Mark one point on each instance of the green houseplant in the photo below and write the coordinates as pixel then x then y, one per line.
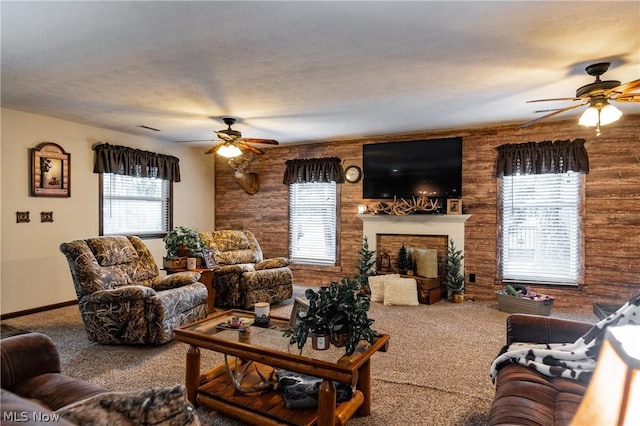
pixel 366 266
pixel 453 279
pixel 182 242
pixel 337 309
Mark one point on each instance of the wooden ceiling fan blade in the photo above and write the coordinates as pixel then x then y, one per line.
pixel 263 141
pixel 560 111
pixel 213 149
pixel 632 97
pixel 554 99
pixel 225 136
pixel 249 148
pixel 623 89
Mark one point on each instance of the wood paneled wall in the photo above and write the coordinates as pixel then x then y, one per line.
pixel 612 207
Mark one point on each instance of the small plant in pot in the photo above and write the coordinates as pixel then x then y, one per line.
pixel 454 279
pixel 183 242
pixel 338 310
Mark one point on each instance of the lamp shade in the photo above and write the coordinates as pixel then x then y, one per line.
pixel 229 150
pixel 609 114
pixel 589 117
pixel 613 395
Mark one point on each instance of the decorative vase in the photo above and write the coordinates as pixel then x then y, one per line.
pixel 320 342
pixel 458 298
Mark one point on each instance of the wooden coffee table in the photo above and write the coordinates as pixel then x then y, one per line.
pixel 268 347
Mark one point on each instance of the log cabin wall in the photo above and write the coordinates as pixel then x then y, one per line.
pixel 612 206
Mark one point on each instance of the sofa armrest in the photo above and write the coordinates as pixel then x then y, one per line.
pixel 25 356
pixel 234 269
pixel 179 279
pixel 276 262
pixel 120 294
pixel 543 329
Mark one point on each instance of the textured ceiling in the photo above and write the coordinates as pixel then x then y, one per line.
pixel 307 71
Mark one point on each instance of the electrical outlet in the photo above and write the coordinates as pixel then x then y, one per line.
pixel 472 278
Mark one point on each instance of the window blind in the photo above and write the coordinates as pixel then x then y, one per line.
pixel 312 222
pixel 134 205
pixel 541 237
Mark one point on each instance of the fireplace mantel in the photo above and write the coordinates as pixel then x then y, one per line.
pixel 451 225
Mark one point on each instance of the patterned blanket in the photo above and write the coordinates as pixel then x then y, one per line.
pixel 575 360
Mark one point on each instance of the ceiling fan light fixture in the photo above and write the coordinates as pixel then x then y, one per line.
pixel 600 112
pixel 229 150
pixel 609 114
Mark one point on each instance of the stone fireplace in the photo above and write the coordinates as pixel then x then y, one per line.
pixel 387 227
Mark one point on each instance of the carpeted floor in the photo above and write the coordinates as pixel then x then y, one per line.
pixel 436 371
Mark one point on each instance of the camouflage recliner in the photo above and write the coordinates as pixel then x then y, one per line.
pixel 243 277
pixel 122 297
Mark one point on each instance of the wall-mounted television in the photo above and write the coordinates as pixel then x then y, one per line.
pixel 428 168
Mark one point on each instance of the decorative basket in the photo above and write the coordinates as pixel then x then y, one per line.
pixel 514 304
pixel 341 340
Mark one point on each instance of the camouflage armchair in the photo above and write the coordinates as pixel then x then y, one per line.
pixel 122 297
pixel 243 277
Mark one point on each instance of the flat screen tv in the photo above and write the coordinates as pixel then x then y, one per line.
pixel 428 168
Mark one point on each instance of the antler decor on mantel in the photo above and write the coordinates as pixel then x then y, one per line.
pixel 403 207
pixel 250 182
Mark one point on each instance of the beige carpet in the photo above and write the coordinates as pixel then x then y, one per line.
pixel 436 371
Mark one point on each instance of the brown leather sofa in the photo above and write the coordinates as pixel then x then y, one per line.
pixel 525 397
pixel 32 384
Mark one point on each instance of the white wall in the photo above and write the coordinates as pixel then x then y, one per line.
pixel 33 271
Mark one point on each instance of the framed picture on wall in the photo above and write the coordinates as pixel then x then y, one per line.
pixel 454 206
pixel 50 171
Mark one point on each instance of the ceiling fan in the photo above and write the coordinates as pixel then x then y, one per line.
pixel 598 96
pixel 233 143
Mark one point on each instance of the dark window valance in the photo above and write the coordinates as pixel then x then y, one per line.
pixel 127 161
pixel 542 157
pixel 304 170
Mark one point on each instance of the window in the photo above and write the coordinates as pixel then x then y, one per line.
pixel 541 234
pixel 312 222
pixel 134 205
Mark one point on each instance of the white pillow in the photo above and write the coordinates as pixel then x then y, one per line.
pixel 426 262
pixel 376 284
pixel 401 292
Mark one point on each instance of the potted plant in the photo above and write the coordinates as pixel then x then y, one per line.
pixel 182 242
pixel 338 310
pixel 366 266
pixel 403 262
pixel 454 279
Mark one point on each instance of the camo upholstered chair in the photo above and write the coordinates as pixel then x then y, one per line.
pixel 243 277
pixel 122 297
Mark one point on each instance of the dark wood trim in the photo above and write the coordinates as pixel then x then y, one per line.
pixel 37 310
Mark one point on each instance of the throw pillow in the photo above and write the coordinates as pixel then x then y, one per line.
pixel 401 292
pixel 426 262
pixel 166 405
pixel 376 283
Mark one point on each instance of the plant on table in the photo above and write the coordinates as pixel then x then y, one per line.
pixel 335 310
pixel 182 241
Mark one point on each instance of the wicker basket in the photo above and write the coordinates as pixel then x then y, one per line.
pixel 341 340
pixel 514 304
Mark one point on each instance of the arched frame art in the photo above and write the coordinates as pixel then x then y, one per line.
pixel 50 171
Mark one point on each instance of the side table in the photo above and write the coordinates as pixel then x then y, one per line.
pixel 206 277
